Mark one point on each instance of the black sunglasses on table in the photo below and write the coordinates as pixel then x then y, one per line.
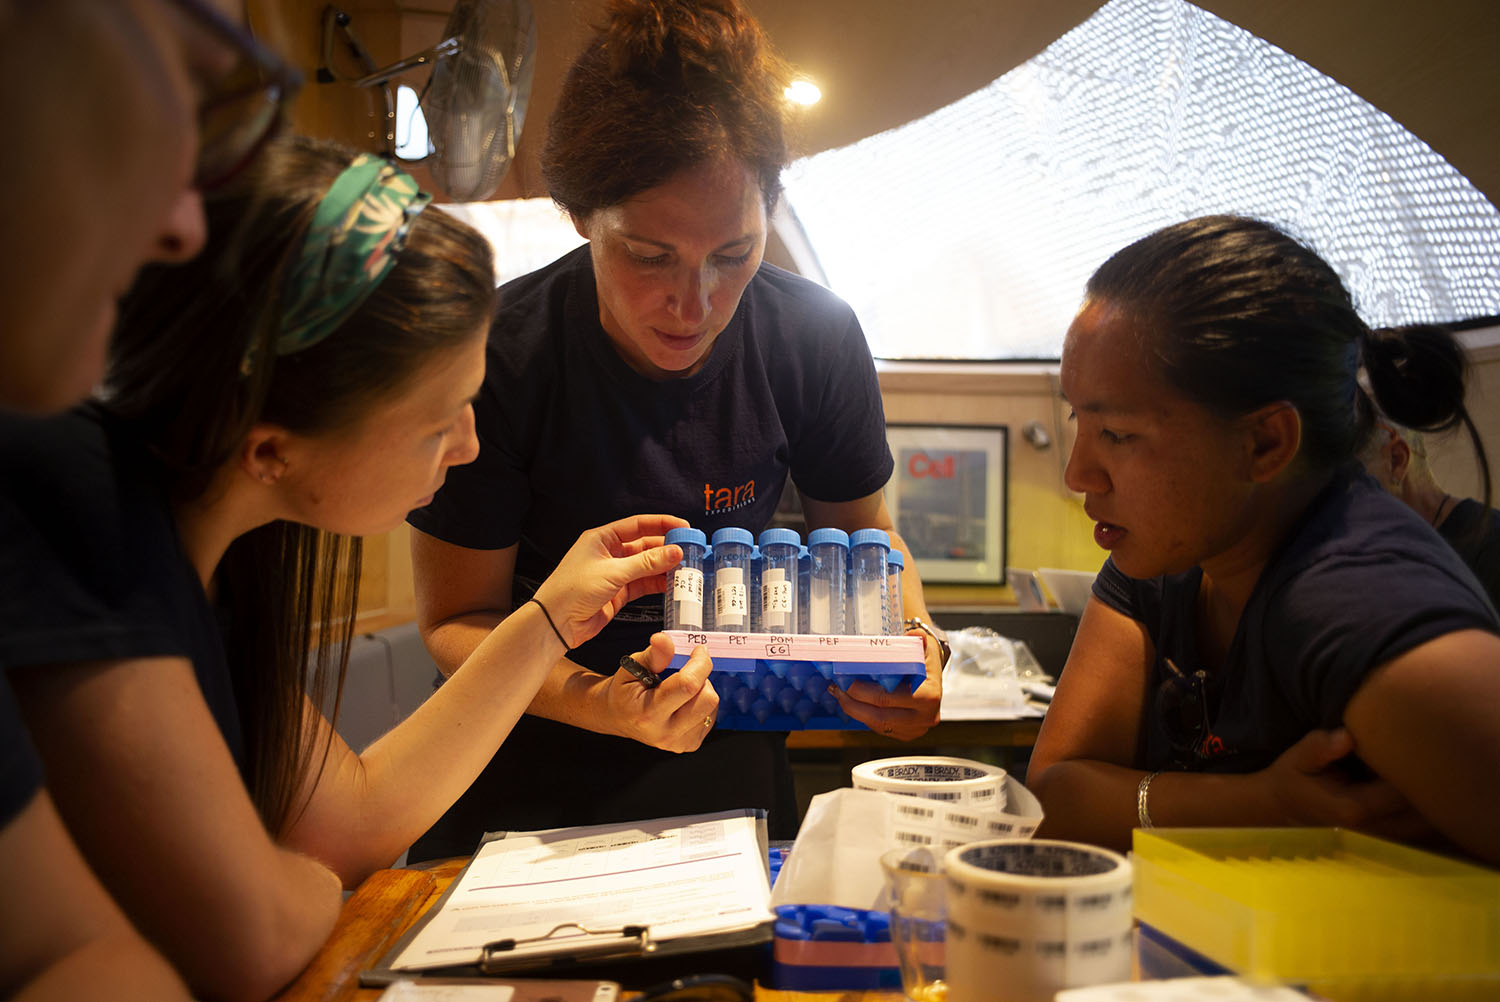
pixel 1182 707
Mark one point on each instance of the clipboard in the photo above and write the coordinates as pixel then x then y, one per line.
pixel 631 954
pixel 425 989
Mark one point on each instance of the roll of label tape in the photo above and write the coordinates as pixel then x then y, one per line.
pixel 954 781
pixel 917 823
pixel 1037 916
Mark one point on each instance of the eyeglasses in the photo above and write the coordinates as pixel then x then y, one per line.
pixel 699 988
pixel 1182 707
pixel 248 105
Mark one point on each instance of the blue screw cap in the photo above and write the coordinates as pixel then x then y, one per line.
pixel 733 534
pixel 819 536
pixel 788 536
pixel 687 535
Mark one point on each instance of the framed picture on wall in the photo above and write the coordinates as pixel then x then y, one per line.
pixel 947 498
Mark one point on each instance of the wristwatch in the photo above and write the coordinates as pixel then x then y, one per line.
pixel 944 651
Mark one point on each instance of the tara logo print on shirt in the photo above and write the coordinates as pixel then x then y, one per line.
pixel 718 500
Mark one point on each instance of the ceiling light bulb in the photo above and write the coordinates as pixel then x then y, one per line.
pixel 803 92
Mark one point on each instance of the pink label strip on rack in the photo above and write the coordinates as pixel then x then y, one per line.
pixel 800 646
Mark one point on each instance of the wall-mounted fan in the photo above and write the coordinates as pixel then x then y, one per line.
pixel 475 98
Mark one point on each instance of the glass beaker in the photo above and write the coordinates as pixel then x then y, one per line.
pixel 914 887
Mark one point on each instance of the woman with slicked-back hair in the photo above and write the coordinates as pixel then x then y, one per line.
pixel 663 365
pixel 1274 639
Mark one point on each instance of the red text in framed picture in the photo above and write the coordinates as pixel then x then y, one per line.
pixel 947 498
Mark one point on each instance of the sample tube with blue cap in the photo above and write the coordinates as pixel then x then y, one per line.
pixel 708 589
pixel 754 591
pixel 779 551
pixel 732 579
pixel 895 563
pixel 682 606
pixel 829 549
pixel 868 549
pixel 804 575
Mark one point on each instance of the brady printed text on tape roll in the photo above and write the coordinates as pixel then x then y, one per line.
pixel 1036 916
pixel 956 781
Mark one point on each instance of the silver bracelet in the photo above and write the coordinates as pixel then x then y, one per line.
pixel 1142 812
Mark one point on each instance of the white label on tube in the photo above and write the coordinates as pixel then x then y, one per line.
pixel 870 608
pixel 687 592
pixel 775 600
pixel 730 603
pixel 820 607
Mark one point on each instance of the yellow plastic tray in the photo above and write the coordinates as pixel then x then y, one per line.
pixel 1309 904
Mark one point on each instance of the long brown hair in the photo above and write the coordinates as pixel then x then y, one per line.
pixel 192 369
pixel 663 86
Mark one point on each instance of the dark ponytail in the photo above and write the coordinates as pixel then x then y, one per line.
pixel 1417 375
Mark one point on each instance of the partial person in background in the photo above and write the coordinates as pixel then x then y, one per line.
pixel 103 103
pixel 1397 457
pixel 662 366
pixel 1274 640
pixel 306 381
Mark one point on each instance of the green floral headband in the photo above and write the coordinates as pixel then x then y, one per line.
pixel 359 228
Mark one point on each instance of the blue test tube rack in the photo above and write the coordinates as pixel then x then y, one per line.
pixel 771 682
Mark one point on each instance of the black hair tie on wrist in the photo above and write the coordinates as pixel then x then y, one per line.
pixel 548 616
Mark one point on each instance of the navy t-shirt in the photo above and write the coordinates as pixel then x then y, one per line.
pixel 20 770
pixel 1477 541
pixel 21 564
pixel 1361 580
pixel 98 572
pixel 571 437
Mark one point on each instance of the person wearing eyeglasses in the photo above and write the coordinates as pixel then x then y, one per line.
pixel 305 382
pixel 119 115
pixel 662 365
pixel 1273 640
pixel 108 107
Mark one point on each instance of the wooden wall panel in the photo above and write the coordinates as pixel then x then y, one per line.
pixel 1046 526
pixel 882 62
pixel 1416 75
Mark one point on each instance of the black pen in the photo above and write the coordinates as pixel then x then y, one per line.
pixel 644 675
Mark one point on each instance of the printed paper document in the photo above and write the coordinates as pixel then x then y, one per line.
pixel 680 877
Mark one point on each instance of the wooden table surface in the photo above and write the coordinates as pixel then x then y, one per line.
pixel 384 906
pixel 979 733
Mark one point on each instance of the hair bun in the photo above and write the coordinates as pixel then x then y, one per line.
pixel 636 35
pixel 683 45
pixel 664 85
pixel 1417 375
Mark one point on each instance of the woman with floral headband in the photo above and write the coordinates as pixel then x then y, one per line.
pixel 306 382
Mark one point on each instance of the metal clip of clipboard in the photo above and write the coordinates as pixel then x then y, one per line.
pixel 500 957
